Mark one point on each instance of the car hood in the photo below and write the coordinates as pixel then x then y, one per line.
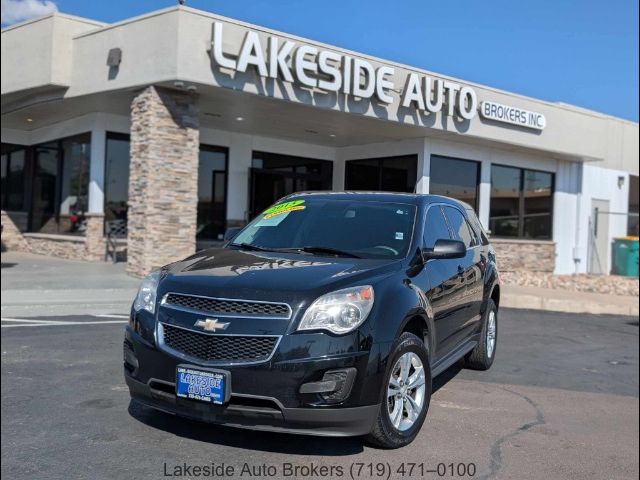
pixel 271 276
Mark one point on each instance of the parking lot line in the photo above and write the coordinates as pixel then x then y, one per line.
pixel 25 322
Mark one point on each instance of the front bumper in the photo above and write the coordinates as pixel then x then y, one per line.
pixel 264 396
pixel 325 422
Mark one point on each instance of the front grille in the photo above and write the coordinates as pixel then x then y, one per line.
pixel 218 348
pixel 220 306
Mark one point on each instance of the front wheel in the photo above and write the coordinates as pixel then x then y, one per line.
pixel 406 393
pixel 481 357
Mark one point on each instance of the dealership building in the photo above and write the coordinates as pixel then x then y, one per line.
pixel 166 129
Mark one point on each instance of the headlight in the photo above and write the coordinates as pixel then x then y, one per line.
pixel 340 311
pixel 146 297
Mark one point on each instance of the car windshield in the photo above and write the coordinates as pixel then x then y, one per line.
pixel 321 226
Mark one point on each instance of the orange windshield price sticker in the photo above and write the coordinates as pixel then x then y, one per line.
pixel 281 208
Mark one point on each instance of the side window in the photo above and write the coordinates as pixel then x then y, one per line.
pixel 435 227
pixel 476 226
pixel 459 226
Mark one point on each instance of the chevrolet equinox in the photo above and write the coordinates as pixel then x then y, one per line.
pixel 328 314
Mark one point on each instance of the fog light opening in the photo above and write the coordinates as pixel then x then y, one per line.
pixel 130 359
pixel 334 387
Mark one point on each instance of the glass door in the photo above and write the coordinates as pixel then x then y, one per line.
pixel 273 176
pixel 45 180
pixel 267 187
pixel 212 193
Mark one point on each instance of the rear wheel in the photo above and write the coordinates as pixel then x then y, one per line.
pixel 406 393
pixel 481 357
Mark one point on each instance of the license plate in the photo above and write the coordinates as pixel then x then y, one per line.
pixel 201 385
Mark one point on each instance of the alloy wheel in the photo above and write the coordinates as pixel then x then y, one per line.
pixel 406 391
pixel 491 333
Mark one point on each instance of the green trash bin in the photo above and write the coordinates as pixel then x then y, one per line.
pixel 625 256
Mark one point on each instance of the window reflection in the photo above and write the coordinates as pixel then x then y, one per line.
pixel 74 194
pixel 212 184
pixel 521 203
pixel 455 178
pixel 116 184
pixel 13 189
pixel 59 197
pixel 389 174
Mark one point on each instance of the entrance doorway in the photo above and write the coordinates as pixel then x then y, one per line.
pixel 273 176
pixel 45 179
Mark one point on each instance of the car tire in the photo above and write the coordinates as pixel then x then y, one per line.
pixel 481 357
pixel 384 433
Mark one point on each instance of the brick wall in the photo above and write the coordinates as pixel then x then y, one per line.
pixel 163 178
pixel 525 255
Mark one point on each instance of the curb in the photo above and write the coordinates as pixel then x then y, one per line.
pixel 535 302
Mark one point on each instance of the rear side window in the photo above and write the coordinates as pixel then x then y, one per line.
pixel 435 227
pixel 459 226
pixel 477 227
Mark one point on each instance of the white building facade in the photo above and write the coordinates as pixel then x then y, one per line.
pixel 180 123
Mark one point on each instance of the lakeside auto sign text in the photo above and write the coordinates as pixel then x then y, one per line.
pixel 334 72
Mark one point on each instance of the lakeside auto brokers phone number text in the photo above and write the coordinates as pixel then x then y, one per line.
pixel 356 470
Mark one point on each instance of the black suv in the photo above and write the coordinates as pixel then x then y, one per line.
pixel 328 314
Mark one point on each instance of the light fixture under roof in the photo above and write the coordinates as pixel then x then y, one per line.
pixel 332 135
pixel 29 120
pixel 239 119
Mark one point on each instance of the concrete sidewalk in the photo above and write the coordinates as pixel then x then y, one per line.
pixel 555 300
pixel 34 285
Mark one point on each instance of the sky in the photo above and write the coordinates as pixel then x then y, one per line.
pixel 581 52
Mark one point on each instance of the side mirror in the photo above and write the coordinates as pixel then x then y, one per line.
pixel 231 233
pixel 445 248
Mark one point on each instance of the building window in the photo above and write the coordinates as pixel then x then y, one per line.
pixel 212 193
pixel 14 189
pixel 116 181
pixel 60 185
pixel 273 176
pixel 455 178
pixel 389 174
pixel 13 177
pixel 74 184
pixel 521 203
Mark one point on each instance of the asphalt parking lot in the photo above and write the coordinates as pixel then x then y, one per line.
pixel 561 401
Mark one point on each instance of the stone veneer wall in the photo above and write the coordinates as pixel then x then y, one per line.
pixel 89 247
pixel 606 284
pixel 61 246
pixel 12 238
pixel 525 255
pixel 163 178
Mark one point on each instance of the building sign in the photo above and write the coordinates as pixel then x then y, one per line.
pixel 514 116
pixel 330 71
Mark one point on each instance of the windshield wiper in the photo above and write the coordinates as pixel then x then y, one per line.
pixel 327 250
pixel 250 246
pixel 310 249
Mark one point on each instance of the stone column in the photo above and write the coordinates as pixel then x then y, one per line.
pixel 95 242
pixel 163 179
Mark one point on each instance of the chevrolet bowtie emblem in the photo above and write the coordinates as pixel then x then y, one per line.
pixel 211 324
